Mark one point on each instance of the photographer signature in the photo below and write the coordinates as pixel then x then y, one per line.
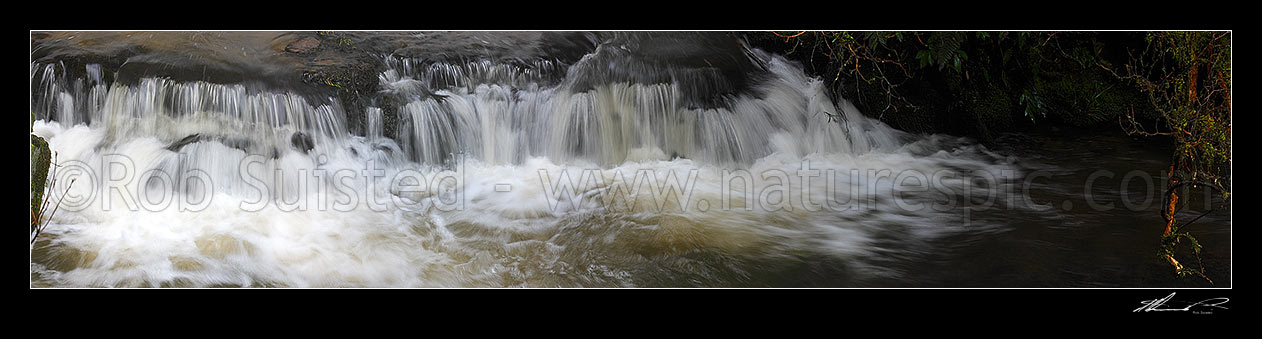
pixel 1157 304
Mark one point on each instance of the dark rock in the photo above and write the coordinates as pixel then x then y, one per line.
pixel 125 57
pixel 40 155
pixel 302 142
pixel 240 143
pixel 303 46
pixel 709 67
pixel 327 62
pixel 567 47
pixel 176 146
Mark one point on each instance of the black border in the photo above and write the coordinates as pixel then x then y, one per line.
pixel 637 15
pixel 811 307
pixel 825 307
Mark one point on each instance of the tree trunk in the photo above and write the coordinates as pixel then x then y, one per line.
pixel 1169 214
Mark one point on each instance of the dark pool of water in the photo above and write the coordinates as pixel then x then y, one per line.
pixel 1098 231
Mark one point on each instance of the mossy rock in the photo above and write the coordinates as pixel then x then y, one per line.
pixel 40 155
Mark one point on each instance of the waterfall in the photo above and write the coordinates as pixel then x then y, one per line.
pixel 497 173
pixel 505 114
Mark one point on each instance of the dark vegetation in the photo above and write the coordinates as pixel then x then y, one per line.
pixel 1174 87
pixel 976 84
pixel 1187 78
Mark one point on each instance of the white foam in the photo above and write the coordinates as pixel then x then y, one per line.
pixel 514 187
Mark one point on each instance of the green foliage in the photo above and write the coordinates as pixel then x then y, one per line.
pixel 1169 246
pixel 927 77
pixel 1033 104
pixel 1187 76
pixel 943 50
pixel 340 37
pixel 869 60
pixel 329 81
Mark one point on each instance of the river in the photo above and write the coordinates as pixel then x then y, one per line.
pixel 523 159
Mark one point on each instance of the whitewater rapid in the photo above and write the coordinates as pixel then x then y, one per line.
pixel 499 176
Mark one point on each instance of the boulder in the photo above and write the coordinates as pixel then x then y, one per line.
pixel 303 46
pixel 176 146
pixel 40 156
pixel 302 142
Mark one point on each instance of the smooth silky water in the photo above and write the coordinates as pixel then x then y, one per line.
pixel 527 175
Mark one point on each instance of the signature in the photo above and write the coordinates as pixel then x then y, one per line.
pixel 1157 304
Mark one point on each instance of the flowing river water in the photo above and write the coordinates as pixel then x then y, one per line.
pixel 638 162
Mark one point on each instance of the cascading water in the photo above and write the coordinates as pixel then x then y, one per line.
pixel 499 174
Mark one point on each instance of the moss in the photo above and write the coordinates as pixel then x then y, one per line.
pixel 40 155
pixel 339 65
